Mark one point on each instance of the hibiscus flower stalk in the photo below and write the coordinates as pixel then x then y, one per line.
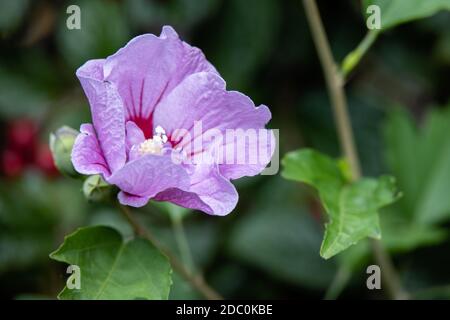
pixel 196 280
pixel 335 85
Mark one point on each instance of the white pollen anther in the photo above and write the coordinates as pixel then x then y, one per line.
pixel 154 145
pixel 160 130
pixel 161 134
pixel 150 146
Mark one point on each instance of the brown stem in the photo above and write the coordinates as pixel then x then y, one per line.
pixel 196 280
pixel 392 283
pixel 335 86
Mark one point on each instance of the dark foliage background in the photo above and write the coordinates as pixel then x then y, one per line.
pixel 269 246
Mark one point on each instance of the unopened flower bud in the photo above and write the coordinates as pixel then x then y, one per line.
pixel 96 189
pixel 61 144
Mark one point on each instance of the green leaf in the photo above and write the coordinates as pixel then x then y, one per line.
pixel 395 12
pixel 420 159
pixel 352 208
pixel 356 216
pixel 317 170
pixel 112 268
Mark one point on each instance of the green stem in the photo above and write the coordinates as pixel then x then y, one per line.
pixel 354 57
pixel 183 244
pixel 196 280
pixel 335 86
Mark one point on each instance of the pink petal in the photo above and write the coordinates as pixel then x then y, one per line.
pixel 148 175
pixel 134 135
pixel 209 192
pixel 107 113
pixel 87 157
pixel 132 200
pixel 149 67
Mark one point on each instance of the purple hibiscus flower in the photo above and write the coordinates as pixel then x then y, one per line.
pixel 146 101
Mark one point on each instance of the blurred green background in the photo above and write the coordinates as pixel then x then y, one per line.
pixel 269 246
